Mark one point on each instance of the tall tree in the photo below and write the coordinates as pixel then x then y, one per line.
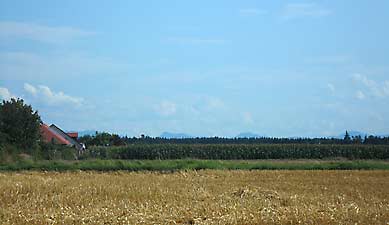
pixel 19 123
pixel 347 137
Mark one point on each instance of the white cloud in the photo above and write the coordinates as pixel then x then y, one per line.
pixel 364 80
pixel 374 88
pixel 195 40
pixel 166 108
pixel 50 97
pixel 42 33
pixel 331 87
pixel 30 89
pixel 360 95
pixel 59 97
pixel 298 10
pixel 252 12
pixel 5 94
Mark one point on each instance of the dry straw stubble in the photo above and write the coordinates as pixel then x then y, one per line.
pixel 195 197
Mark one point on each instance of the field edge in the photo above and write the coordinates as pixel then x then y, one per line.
pixel 194 164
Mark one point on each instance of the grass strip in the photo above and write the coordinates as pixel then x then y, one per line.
pixel 188 164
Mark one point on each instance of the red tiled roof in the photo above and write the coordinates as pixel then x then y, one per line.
pixel 49 135
pixel 73 134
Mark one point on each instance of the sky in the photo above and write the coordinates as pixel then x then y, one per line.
pixel 205 68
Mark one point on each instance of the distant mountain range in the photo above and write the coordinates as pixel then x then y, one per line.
pixel 254 135
pixel 86 132
pixel 249 135
pixel 169 135
pixel 184 135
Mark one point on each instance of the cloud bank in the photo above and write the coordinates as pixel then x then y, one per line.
pixel 42 33
pixel 299 10
pixel 5 94
pixel 50 97
pixel 371 87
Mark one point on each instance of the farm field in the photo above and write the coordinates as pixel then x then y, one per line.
pixel 195 197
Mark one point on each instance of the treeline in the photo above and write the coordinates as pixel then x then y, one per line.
pixel 106 139
pixel 238 151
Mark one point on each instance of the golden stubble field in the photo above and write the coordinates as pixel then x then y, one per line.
pixel 195 197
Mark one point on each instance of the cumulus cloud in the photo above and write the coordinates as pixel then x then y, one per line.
pixel 360 95
pixel 30 89
pixel 364 80
pixel 50 97
pixel 298 10
pixel 5 94
pixel 42 33
pixel 166 108
pixel 372 87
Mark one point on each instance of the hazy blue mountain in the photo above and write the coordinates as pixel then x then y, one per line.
pixel 249 135
pixel 86 132
pixel 174 135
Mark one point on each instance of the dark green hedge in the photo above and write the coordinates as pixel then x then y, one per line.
pixel 239 151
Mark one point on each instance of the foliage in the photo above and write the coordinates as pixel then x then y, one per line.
pixel 239 151
pixel 19 124
pixel 347 137
pixel 42 151
pixel 49 151
pixel 9 153
pixel 106 139
pixel 102 139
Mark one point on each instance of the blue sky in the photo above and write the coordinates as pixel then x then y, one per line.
pixel 276 68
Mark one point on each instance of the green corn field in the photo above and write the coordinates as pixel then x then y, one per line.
pixel 239 151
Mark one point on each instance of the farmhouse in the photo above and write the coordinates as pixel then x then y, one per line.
pixel 53 134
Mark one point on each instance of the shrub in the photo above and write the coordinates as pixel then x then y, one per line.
pixel 50 151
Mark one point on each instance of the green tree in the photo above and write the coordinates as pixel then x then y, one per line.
pixel 19 124
pixel 357 139
pixel 347 137
pixel 116 140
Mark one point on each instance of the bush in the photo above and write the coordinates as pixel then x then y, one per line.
pixel 9 153
pixel 50 151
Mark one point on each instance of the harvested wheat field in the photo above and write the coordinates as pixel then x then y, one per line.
pixel 195 197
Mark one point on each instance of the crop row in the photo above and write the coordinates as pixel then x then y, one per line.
pixel 239 151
